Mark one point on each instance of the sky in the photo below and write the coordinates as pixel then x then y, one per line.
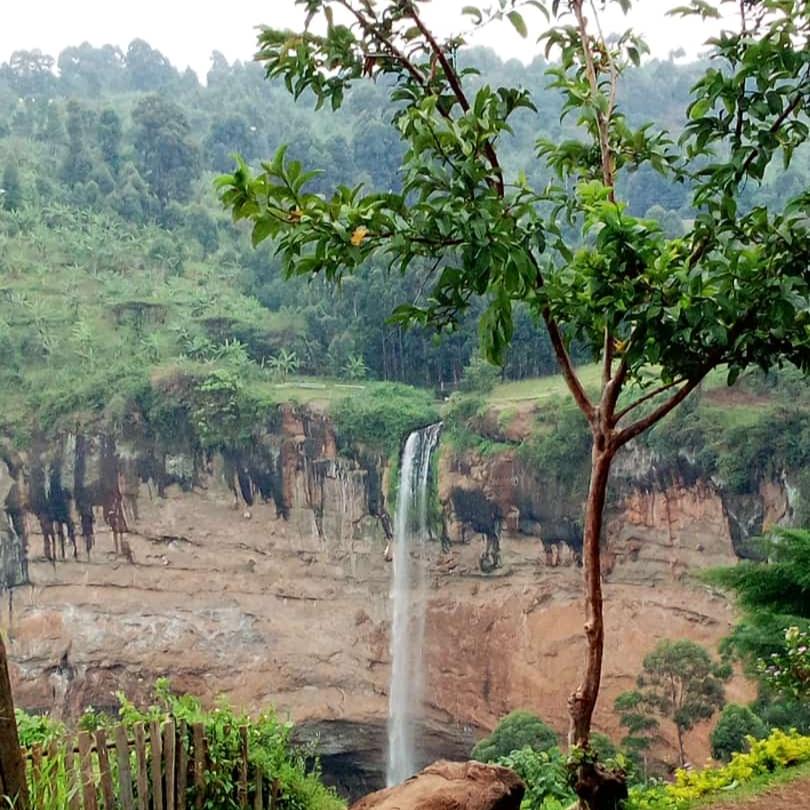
pixel 187 31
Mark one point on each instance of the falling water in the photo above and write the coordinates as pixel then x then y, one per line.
pixel 407 595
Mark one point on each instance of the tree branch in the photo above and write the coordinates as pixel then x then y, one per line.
pixel 458 90
pixel 602 121
pixel 659 413
pixel 563 357
pixel 567 367
pixel 641 400
pixel 374 31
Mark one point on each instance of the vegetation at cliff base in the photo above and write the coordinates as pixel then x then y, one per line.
pixel 518 729
pixel 290 767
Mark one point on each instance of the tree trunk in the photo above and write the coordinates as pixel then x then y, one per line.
pixel 681 752
pixel 12 764
pixel 582 702
pixel 596 787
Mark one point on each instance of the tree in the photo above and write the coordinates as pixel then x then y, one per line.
pixel 11 198
pixel 283 364
pixel 148 69
pixel 732 291
pixel 167 156
pixel 773 594
pixel 642 728
pixel 78 161
pixel 109 133
pixel 31 73
pixel 736 723
pixel 679 682
pixel 519 729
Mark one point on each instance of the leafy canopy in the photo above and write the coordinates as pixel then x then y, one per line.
pixel 519 729
pixel 734 289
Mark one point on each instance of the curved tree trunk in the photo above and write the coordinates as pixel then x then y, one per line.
pixel 597 787
pixel 582 702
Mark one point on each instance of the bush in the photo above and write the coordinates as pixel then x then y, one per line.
pixel 270 749
pixel 780 750
pixel 36 729
pixel 518 730
pixel 479 377
pixel 545 774
pixel 382 416
pixel 735 724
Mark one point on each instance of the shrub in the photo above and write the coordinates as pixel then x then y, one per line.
pixel 545 774
pixel 270 749
pixel 479 377
pixel 382 416
pixel 518 730
pixel 780 750
pixel 736 723
pixel 36 729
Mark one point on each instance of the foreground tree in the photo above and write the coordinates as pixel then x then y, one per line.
pixel 678 682
pixel 732 291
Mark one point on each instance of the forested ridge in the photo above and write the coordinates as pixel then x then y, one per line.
pixel 121 277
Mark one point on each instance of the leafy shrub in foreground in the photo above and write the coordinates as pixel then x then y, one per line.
pixel 545 774
pixel 270 749
pixel 780 750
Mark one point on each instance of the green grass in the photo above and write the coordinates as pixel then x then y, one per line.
pixel 310 390
pixel 750 790
pixel 540 388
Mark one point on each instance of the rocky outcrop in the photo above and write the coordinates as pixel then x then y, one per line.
pixel 263 575
pixel 449 786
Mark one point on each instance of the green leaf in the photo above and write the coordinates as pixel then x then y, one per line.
pixel 519 23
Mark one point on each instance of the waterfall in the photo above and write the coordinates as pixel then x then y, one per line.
pixel 408 598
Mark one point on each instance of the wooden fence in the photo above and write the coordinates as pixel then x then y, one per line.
pixel 159 767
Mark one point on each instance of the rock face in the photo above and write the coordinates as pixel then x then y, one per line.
pixel 450 786
pixel 263 576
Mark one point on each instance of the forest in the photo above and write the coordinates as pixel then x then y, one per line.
pixel 117 260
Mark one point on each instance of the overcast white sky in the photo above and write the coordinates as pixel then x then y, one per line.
pixel 187 31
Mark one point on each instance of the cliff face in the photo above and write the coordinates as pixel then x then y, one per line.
pixel 263 576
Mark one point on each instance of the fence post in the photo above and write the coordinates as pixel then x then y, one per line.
pixel 12 764
pixel 87 771
pixel 157 757
pixel 124 768
pixel 258 800
pixel 169 741
pixel 142 779
pixel 243 768
pixel 75 802
pixel 199 765
pixel 104 769
pixel 182 766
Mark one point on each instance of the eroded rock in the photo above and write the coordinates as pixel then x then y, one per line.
pixel 451 786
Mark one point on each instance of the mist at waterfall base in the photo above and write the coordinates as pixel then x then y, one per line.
pixel 408 599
